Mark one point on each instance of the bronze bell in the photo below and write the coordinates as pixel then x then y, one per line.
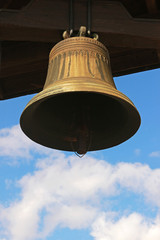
pixel 80 108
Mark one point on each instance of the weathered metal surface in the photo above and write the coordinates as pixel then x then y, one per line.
pixel 80 108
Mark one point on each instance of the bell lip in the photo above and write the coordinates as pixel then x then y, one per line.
pixel 66 86
pixel 113 93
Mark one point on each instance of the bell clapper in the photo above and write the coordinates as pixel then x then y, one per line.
pixel 80 126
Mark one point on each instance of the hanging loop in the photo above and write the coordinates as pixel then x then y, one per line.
pixel 83 31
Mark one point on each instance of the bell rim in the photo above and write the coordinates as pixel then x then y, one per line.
pixel 66 86
pixel 113 93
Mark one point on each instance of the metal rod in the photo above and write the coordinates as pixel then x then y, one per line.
pixel 71 23
pixel 89 17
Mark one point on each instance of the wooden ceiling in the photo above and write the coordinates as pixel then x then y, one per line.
pixel 130 29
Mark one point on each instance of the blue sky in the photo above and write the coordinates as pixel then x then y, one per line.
pixel 112 194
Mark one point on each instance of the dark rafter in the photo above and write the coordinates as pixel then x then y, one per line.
pixel 128 28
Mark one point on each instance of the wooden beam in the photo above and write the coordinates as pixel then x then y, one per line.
pixel 24 65
pixel 45 20
pixel 152 6
pixel 23 57
pixel 132 61
pixel 22 84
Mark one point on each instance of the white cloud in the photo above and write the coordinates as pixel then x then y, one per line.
pixel 132 227
pixel 67 192
pixel 155 154
pixel 15 145
pixel 140 179
pixel 57 190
